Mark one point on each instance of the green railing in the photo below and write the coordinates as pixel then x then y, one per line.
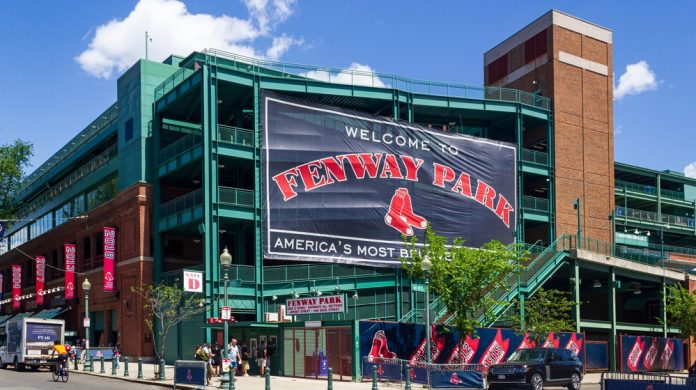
pixel 182 203
pixel 92 130
pixel 178 147
pixel 236 196
pixel 235 135
pixel 172 81
pixel 652 217
pixel 536 157
pixel 534 203
pixel 85 170
pixel 649 190
pixel 356 78
pixel 294 273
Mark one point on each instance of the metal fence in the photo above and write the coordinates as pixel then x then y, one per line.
pixel 394 372
pixel 236 135
pixel 642 380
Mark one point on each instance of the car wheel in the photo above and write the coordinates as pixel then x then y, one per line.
pixel 536 381
pixel 574 382
pixel 2 365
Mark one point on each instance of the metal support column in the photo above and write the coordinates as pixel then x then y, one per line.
pixel 612 286
pixel 258 235
pixel 576 295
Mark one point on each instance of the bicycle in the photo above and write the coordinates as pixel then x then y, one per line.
pixel 60 371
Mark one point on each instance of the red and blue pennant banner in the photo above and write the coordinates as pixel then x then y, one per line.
pixel 16 285
pixel 40 279
pixel 109 258
pixel 69 256
pixel 406 341
pixel 2 281
pixel 344 186
pixel 640 353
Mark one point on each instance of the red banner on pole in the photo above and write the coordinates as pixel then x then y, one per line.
pixel 69 256
pixel 2 281
pixel 40 279
pixel 16 284
pixel 109 257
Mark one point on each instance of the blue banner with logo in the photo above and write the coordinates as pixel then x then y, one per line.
pixel 645 354
pixel 344 186
pixel 189 372
pixel 382 343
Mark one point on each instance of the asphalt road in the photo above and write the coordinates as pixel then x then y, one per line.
pixel 33 380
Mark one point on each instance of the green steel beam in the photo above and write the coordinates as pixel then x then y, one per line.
pixel 519 232
pixel 612 317
pixel 207 229
pixel 243 213
pixel 552 187
pixel 576 295
pixel 531 168
pixel 157 253
pixel 258 241
pixel 535 216
pixel 236 151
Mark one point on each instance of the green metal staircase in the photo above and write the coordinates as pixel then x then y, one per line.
pixel 527 281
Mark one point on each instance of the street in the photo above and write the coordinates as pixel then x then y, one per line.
pixel 32 380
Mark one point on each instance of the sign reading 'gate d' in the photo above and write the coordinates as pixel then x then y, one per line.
pixel 316 305
pixel 344 186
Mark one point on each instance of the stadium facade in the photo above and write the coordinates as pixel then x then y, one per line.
pixel 176 165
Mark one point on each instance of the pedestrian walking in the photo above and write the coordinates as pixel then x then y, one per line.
pixel 244 352
pixel 261 358
pixel 117 355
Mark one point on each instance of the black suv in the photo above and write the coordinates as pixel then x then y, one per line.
pixel 536 367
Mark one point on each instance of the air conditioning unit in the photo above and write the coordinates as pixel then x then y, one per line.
pixel 281 314
pixel 271 317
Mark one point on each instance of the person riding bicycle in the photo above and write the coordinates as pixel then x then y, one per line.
pixel 60 352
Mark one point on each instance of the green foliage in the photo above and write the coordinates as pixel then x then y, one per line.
pixel 14 159
pixel 168 305
pixel 546 311
pixel 681 308
pixel 462 276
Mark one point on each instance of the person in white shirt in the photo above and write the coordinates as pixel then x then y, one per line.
pixel 233 354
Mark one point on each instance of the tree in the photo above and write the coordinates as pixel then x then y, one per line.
pixel 461 276
pixel 681 308
pixel 546 311
pixel 168 306
pixel 14 160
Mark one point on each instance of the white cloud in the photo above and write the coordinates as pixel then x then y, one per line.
pixel 638 78
pixel 690 170
pixel 117 44
pixel 355 74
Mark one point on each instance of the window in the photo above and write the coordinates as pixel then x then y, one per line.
pixel 86 248
pixel 99 244
pixel 79 205
pixel 63 213
pixel 535 47
pixel 19 237
pixel 102 193
pixel 41 225
pixel 129 129
pixel 497 69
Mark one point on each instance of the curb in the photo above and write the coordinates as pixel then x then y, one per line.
pixel 167 383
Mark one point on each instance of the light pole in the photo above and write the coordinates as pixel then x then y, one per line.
pixel 225 261
pixel 576 206
pixel 426 265
pixel 86 285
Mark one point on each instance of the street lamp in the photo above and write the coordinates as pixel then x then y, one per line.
pixel 576 206
pixel 225 261
pixel 426 265
pixel 86 285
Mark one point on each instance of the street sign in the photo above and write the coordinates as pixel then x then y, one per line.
pixel 85 322
pixel 226 313
pixel 193 281
pixel 418 287
pixel 235 283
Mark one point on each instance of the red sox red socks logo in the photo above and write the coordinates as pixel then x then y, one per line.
pixel 400 215
pixel 380 350
pixel 574 344
pixel 634 355
pixel 454 379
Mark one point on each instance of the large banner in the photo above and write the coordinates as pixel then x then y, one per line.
pixel 69 256
pixel 406 341
pixel 16 284
pixel 640 353
pixel 2 281
pixel 109 258
pixel 40 279
pixel 344 186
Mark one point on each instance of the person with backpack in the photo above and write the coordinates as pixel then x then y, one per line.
pixel 261 357
pixel 216 358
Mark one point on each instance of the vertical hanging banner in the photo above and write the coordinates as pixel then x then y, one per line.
pixel 109 257
pixel 40 279
pixel 69 256
pixel 2 280
pixel 16 284
pixel 345 186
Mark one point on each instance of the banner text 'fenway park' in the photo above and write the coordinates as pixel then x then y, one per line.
pixel 344 186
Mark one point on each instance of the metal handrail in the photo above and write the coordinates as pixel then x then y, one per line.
pixel 355 78
pixel 236 196
pixel 92 165
pixel 181 203
pixel 235 135
pixel 534 156
pixel 649 190
pixel 92 130
pixel 295 273
pixel 179 146
pixel 652 217
pixel 534 203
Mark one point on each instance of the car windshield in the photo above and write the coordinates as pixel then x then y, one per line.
pixel 528 355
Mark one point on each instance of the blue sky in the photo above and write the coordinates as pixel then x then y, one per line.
pixel 59 69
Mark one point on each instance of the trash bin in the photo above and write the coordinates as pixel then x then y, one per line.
pixel 323 364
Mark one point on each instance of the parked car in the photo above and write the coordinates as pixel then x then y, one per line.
pixel 535 368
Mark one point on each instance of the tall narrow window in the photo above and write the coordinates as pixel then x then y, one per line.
pixel 129 129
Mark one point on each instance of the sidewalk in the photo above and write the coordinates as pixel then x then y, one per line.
pixel 242 383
